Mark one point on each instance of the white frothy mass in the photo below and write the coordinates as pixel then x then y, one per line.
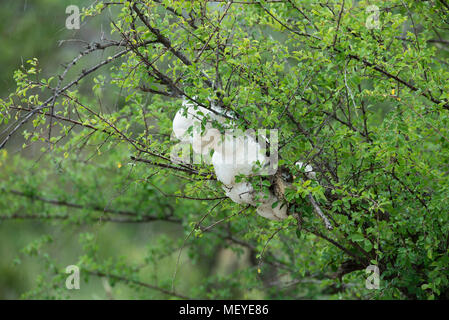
pixel 233 155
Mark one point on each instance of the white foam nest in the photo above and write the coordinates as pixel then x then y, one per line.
pixel 266 210
pixel 203 140
pixel 204 143
pixel 233 156
pixel 187 117
pixel 307 169
pixel 241 193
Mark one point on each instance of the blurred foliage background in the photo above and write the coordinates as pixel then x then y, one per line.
pixel 36 28
pixel 56 203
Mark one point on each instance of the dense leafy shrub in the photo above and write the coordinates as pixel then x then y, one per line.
pixel 364 101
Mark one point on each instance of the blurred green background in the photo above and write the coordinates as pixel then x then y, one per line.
pixel 35 28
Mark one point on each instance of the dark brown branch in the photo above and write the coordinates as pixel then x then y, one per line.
pixel 139 283
pixel 210 176
pixel 88 207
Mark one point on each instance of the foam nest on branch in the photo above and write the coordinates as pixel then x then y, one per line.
pixel 234 155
